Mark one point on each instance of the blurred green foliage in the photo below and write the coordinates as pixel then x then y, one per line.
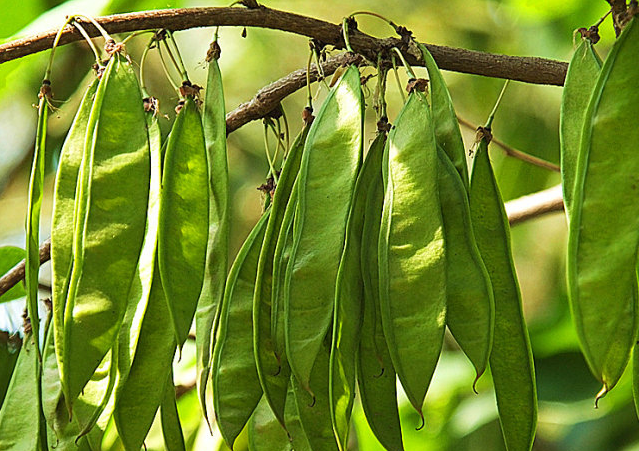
pixel 456 419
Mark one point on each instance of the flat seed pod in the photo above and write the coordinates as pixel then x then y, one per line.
pixel 217 249
pixel 171 427
pixel 184 217
pixel 314 412
pixel 20 413
pixel 581 77
pixel 376 376
pixel 139 398
pixel 604 226
pixel 329 167
pixel 349 299
pixel 510 361
pixel 445 122
pixel 469 296
pixel 412 264
pixel 236 387
pixel 62 221
pixel 265 433
pixel 111 206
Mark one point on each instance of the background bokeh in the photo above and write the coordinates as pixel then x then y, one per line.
pixel 456 419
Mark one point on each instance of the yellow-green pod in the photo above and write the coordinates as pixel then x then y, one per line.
pixel 510 361
pixel 265 433
pixel 184 218
pixel 604 225
pixel 581 77
pixel 110 216
pixel 412 262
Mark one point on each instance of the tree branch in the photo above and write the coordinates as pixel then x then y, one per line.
pixel 526 69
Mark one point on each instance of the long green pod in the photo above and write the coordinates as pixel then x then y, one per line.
pixel 20 413
pixel 171 426
pixel 469 296
pixel 236 387
pixel 412 264
pixel 604 227
pixel 298 438
pixel 510 360
pixel 281 257
pixel 143 280
pixel 139 398
pixel 265 433
pixel 314 411
pixel 264 280
pixel 376 377
pixel 214 126
pixel 635 378
pixel 32 226
pixel 62 221
pixel 446 126
pixel 581 78
pixel 349 299
pixel 331 161
pixel 184 218
pixel 111 210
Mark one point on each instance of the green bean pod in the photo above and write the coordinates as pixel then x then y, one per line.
pixel 91 411
pixel 281 258
pixel 111 205
pixel 138 399
pixel 329 167
pixel 236 387
pixel 469 294
pixel 143 280
pixel 298 438
pixel 62 221
pixel 32 226
pixel 171 426
pixel 20 413
pixel 184 218
pixel 581 77
pixel 446 126
pixel 510 361
pixel 412 263
pixel 265 433
pixel 349 299
pixel 214 126
pixel 604 227
pixel 314 411
pixel 376 376
pixel 266 267
pixel 635 378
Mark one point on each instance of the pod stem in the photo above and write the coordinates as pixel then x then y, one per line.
pixel 308 80
pixel 179 64
pixel 489 122
pixel 380 91
pixel 99 27
pixel 379 16
pixel 56 41
pixel 85 35
pixel 409 69
pixel 347 42
pixel 399 84
pixel 135 34
pixel 602 18
pixel 166 70
pixel 145 52
pixel 268 153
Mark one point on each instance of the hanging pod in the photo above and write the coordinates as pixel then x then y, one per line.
pixel 330 163
pixel 272 368
pixel 469 294
pixel 184 218
pixel 412 263
pixel 265 433
pixel 376 376
pixel 109 221
pixel 349 299
pixel 20 421
pixel 604 226
pixel 581 78
pixel 63 212
pixel 214 127
pixel 510 360
pixel 236 387
pixel 171 426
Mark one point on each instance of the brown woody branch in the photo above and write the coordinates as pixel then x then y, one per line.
pixel 526 69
